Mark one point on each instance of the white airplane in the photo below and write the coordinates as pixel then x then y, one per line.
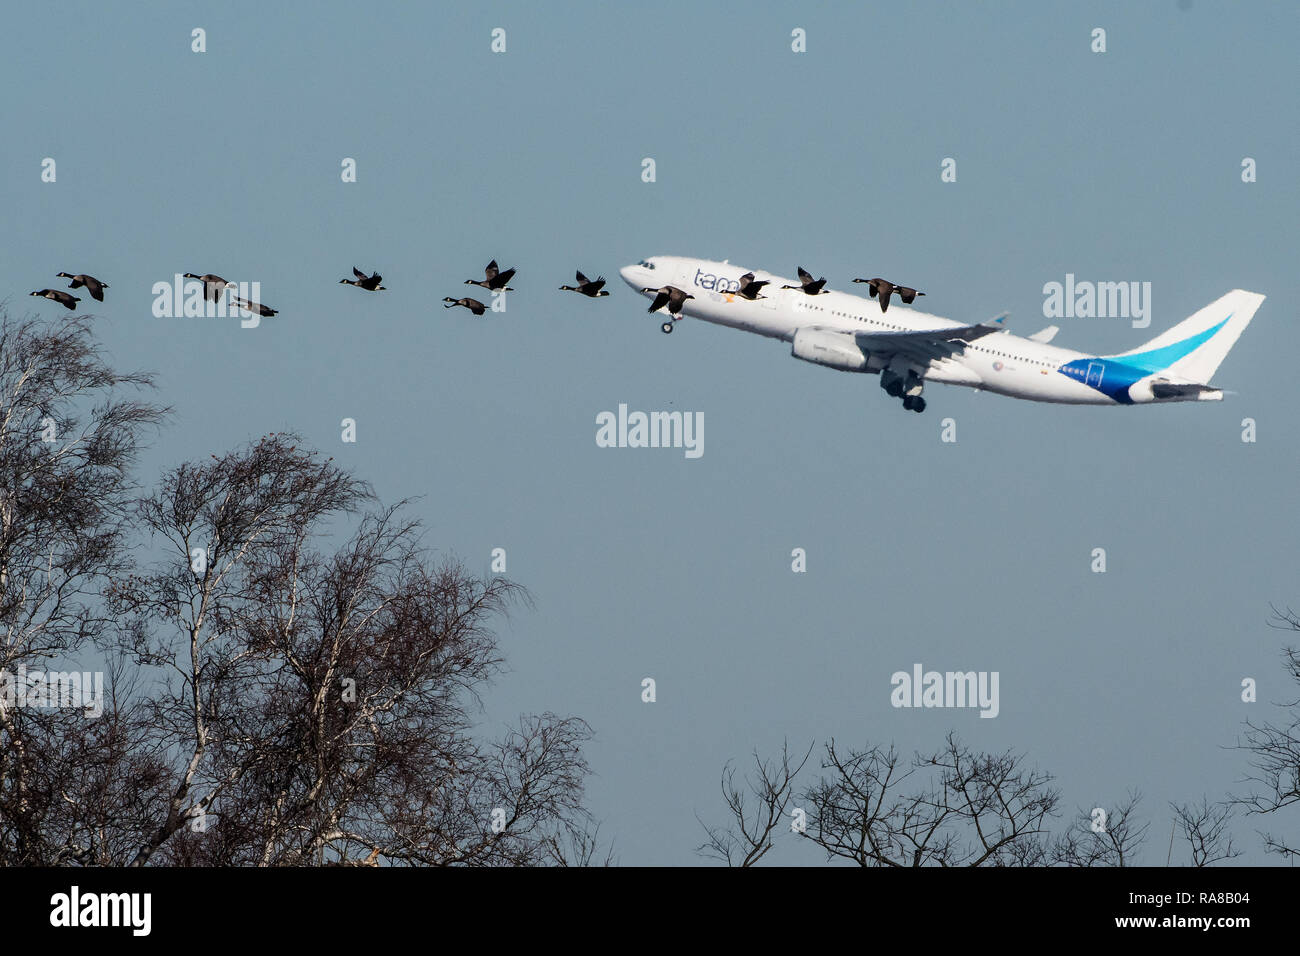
pixel 908 348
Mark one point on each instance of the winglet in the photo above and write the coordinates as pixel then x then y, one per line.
pixel 1045 335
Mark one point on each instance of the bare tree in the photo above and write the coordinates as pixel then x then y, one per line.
pixel 1274 750
pixel 1205 828
pixel 229 526
pixel 69 437
pixel 950 807
pixel 1102 836
pixel 315 707
pixel 953 807
pixel 274 697
pixel 100 772
pixel 757 810
pixel 579 846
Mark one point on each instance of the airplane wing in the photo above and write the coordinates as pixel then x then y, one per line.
pixel 925 345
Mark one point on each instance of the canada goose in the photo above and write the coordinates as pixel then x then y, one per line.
pixel 65 299
pixel 474 305
pixel 257 307
pixel 883 289
pixel 808 283
pixel 93 285
pixel 588 287
pixel 494 280
pixel 749 286
pixel 212 285
pixel 672 297
pixel 362 281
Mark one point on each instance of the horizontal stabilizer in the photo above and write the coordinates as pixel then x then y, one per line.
pixel 1186 391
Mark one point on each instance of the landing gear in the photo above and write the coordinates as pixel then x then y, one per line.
pixel 908 388
pixel 912 387
pixel 666 327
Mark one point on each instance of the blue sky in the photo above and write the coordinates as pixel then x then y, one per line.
pixel 972 555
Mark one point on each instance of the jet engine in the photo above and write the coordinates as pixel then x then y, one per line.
pixel 832 349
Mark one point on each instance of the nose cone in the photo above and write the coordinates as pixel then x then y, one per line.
pixel 634 276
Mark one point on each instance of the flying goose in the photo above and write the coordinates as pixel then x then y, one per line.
pixel 256 307
pixel 672 297
pixel 749 286
pixel 493 278
pixel 65 299
pixel 808 283
pixel 883 289
pixel 474 305
pixel 212 285
pixel 93 285
pixel 362 281
pixel 588 287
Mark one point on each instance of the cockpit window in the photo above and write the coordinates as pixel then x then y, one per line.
pixel 647 263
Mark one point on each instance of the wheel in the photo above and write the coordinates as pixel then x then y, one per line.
pixel 895 389
pixel 666 327
pixel 918 404
pixel 907 402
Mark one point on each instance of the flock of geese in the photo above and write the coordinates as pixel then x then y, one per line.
pixel 67 299
pixel 880 289
pixel 496 279
pixel 750 288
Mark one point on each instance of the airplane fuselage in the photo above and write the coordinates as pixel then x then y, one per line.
pixel 999 362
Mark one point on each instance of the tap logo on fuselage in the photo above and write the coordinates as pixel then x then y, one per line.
pixel 714 283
